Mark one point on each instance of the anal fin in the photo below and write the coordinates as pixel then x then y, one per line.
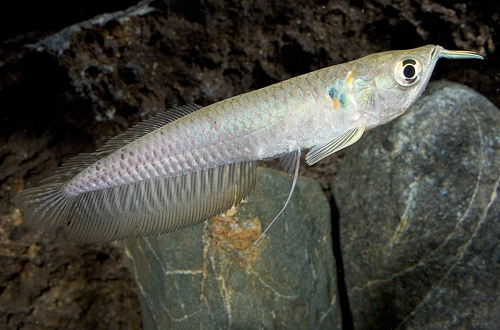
pixel 160 206
pixel 340 142
pixel 151 207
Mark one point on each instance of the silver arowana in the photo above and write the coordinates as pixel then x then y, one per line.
pixel 189 164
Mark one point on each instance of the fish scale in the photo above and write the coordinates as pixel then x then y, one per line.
pixel 189 164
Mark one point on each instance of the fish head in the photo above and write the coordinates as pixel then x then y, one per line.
pixel 397 79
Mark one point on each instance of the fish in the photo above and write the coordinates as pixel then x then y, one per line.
pixel 191 163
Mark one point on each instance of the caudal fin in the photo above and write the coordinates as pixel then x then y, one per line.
pixel 45 207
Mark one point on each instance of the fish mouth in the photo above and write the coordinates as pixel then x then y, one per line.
pixel 440 52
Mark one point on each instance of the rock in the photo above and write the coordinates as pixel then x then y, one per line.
pixel 419 216
pixel 212 276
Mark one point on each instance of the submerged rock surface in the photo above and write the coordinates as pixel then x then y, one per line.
pixel 419 216
pixel 212 276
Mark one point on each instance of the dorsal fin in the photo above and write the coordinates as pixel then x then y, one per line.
pixel 78 163
pixel 145 127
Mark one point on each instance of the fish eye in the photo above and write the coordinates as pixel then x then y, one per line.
pixel 407 71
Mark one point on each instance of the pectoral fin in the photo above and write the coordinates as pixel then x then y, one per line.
pixel 340 142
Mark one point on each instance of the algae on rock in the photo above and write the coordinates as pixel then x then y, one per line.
pixel 212 276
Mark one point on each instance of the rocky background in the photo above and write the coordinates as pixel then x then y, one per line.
pixel 66 89
pixel 419 216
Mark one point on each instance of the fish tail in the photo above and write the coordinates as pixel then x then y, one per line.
pixel 45 207
pixel 48 206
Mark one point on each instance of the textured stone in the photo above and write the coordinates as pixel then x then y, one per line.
pixel 419 208
pixel 212 276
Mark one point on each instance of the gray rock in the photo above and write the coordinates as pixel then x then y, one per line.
pixel 419 216
pixel 212 277
pixel 61 41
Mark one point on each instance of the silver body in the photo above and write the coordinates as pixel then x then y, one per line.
pixel 185 166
